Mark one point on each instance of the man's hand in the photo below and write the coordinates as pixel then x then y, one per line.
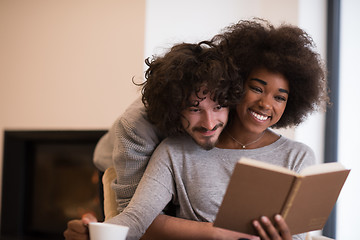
pixel 77 229
pixel 267 231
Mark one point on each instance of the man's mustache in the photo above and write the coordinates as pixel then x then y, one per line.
pixel 203 129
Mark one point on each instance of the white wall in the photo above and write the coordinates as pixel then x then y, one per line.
pixel 169 22
pixel 349 128
pixel 313 18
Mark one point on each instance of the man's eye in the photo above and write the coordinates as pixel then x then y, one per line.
pixel 219 107
pixel 194 110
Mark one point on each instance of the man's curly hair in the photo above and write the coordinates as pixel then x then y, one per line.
pixel 172 78
pixel 285 49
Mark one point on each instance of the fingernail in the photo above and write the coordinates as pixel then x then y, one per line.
pixel 277 217
pixel 264 219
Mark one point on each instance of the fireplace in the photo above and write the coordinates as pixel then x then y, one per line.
pixel 48 179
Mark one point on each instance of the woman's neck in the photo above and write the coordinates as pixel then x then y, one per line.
pixel 239 138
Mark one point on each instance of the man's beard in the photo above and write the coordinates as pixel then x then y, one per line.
pixel 208 145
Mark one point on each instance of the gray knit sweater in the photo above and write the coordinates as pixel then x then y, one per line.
pixel 195 179
pixel 127 146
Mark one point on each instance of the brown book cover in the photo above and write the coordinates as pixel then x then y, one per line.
pixel 258 189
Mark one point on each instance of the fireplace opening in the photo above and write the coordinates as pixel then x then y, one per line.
pixel 48 179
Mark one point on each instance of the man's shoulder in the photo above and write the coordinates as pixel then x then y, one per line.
pixel 134 113
pixel 135 124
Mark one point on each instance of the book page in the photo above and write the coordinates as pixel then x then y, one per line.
pixel 264 165
pixel 322 168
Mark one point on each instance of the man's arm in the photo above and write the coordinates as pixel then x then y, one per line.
pixel 103 151
pixel 135 139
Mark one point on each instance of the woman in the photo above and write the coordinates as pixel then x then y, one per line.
pixel 285 82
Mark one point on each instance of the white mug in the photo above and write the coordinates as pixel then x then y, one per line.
pixel 107 231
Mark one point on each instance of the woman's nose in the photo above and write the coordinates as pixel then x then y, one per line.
pixel 265 102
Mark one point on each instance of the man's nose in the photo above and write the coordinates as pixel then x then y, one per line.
pixel 208 120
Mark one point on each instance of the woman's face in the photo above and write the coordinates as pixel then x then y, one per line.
pixel 264 100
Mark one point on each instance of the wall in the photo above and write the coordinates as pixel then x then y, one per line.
pixel 349 129
pixel 313 18
pixel 169 22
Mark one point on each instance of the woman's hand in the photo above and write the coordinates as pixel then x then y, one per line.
pixel 267 231
pixel 220 233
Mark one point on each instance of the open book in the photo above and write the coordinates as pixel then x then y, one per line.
pixel 258 189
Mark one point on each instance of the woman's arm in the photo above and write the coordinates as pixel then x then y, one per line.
pixel 172 228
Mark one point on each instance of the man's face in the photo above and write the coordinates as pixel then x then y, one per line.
pixel 205 120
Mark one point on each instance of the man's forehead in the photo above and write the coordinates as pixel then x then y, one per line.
pixel 197 97
pixel 207 100
pixel 200 93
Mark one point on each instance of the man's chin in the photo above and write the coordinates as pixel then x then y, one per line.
pixel 206 142
pixel 208 145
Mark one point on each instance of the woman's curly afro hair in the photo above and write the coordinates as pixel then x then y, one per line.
pixel 285 49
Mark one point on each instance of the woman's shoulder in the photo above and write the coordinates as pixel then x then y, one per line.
pixel 178 142
pixel 298 149
pixel 293 144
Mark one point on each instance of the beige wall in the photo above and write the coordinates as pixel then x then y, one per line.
pixel 68 64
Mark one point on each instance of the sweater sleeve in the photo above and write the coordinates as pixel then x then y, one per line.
pixel 154 192
pixel 135 139
pixel 103 151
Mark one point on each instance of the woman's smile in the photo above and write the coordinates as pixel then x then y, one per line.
pixel 259 116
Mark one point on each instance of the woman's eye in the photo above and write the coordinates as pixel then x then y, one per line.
pixel 256 89
pixel 280 98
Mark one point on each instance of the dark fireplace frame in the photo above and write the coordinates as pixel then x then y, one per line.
pixel 17 151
